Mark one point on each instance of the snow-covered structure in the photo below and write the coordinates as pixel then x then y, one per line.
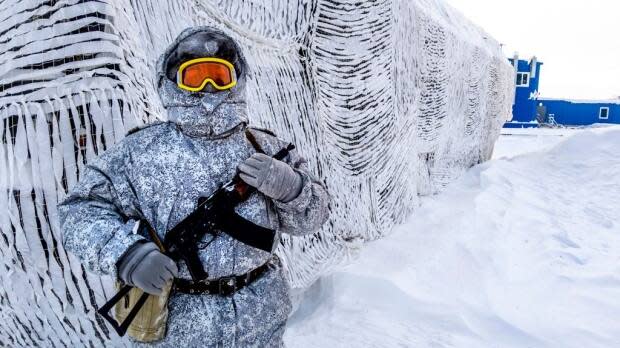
pixel 389 99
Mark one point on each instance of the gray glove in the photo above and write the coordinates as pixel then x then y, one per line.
pixel 272 177
pixel 145 267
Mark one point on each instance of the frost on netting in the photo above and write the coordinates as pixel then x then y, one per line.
pixel 388 100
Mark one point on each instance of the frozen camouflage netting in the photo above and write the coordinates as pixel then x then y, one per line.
pixel 387 99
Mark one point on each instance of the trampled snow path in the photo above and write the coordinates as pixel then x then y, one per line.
pixel 521 252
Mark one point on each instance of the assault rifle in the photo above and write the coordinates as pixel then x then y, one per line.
pixel 214 213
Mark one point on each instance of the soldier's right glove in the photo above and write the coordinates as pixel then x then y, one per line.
pixel 145 267
pixel 272 177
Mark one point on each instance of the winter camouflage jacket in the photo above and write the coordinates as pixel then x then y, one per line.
pixel 157 174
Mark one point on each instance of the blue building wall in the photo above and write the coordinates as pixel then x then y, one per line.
pixel 580 113
pixel 524 108
pixel 528 105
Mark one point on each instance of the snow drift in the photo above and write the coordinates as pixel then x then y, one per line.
pixel 389 100
pixel 520 252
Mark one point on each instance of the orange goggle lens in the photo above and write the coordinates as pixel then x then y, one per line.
pixel 194 74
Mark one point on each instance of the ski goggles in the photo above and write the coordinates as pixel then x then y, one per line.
pixel 194 74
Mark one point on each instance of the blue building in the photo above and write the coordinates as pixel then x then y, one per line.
pixel 526 80
pixel 530 110
pixel 579 112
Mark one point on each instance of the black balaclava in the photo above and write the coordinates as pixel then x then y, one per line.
pixel 208 113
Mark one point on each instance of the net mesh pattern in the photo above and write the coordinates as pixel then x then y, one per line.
pixel 389 100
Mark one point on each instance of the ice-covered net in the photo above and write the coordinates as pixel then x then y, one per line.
pixel 388 100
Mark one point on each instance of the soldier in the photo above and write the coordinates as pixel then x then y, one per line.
pixel 157 175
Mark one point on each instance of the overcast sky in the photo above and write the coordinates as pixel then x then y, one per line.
pixel 577 40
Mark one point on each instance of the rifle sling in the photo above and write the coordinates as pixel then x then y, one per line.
pixel 248 232
pixel 238 227
pixel 244 230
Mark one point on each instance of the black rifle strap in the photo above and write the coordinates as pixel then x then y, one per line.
pixel 154 236
pixel 252 139
pixel 248 232
pixel 279 155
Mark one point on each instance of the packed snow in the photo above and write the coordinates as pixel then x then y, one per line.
pixel 515 142
pixel 522 251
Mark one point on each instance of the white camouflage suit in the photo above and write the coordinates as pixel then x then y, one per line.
pixel 157 174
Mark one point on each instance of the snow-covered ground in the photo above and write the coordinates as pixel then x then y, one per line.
pixel 523 251
pixel 519 141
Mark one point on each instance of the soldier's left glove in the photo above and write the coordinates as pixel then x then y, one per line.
pixel 144 266
pixel 272 177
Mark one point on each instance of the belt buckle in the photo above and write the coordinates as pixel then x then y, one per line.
pixel 227 285
pixel 205 286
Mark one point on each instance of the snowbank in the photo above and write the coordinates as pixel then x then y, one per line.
pixel 525 140
pixel 520 252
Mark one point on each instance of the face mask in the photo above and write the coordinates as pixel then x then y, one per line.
pixel 206 98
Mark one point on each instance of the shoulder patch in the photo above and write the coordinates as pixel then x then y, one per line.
pixel 144 126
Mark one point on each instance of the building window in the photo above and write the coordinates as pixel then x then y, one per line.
pixel 523 79
pixel 603 114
